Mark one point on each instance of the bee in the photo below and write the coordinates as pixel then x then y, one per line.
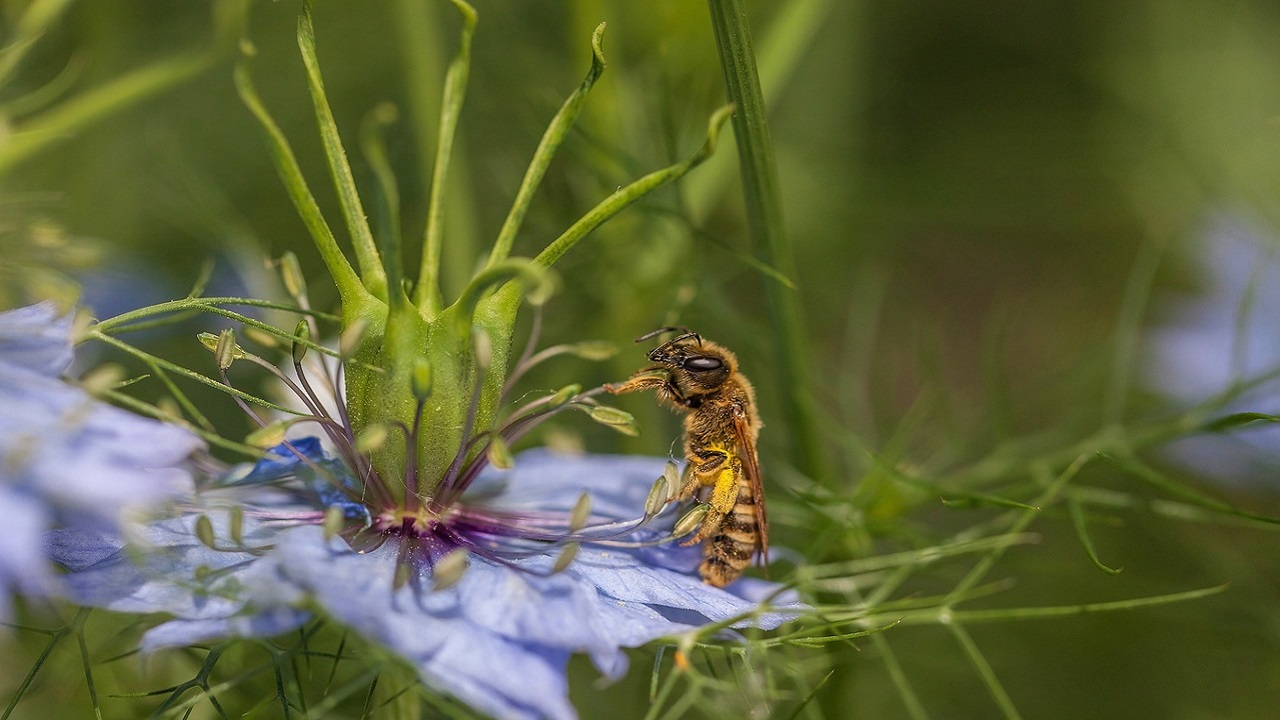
pixel 701 379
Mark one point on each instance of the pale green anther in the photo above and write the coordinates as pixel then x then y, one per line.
pixel 690 521
pixel 334 521
pixel 203 572
pixel 352 337
pixel 169 409
pixel 483 347
pixel 619 420
pixel 401 577
pixel 581 511
pixel 101 379
pixel 213 343
pixel 448 570
pixel 657 497
pixel 236 525
pixel 295 283
pixel 421 379
pixel 671 474
pixel 261 337
pixel 267 436
pixel 371 438
pixel 564 395
pixel 301 336
pixel 566 558
pixel 594 349
pixel 499 454
pixel 227 351
pixel 204 532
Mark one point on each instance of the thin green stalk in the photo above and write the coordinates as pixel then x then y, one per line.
pixel 986 672
pixel 551 139
pixel 764 216
pixel 371 270
pixel 1025 518
pixel 427 294
pixel 1129 330
pixel 34 135
pixel 620 199
pixel 190 374
pixel 898 676
pixel 350 288
pixel 35 21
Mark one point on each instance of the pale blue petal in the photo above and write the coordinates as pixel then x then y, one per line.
pixel 36 337
pixel 525 623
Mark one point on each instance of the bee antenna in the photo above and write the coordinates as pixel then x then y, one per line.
pixel 677 328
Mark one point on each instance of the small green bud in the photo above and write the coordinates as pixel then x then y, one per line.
pixel 620 420
pixel 499 454
pixel 421 379
pixel 295 283
pixel 565 559
pixel 267 436
pixel 594 349
pixel 564 395
pixel 657 497
pixel 101 379
pixel 483 346
pixel 690 521
pixel 227 351
pixel 236 525
pixel 261 337
pixel 581 511
pixel 449 569
pixel 371 438
pixel 671 474
pixel 352 337
pixel 204 532
pixel 301 336
pixel 334 521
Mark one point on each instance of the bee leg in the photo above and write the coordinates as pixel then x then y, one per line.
pixel 643 380
pixel 720 472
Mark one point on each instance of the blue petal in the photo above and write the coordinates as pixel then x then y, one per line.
pixel 36 337
pixel 525 623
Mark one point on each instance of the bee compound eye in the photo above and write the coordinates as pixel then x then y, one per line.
pixel 701 363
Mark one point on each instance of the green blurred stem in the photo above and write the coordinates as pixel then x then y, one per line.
pixel 427 292
pixel 60 123
pixel 371 270
pixel 764 217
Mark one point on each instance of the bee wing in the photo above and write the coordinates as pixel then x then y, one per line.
pixel 751 466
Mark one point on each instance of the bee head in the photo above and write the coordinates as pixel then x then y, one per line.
pixel 697 366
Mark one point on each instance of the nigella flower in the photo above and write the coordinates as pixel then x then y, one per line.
pixel 64 456
pixel 398 578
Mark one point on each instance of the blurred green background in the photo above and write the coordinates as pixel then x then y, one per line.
pixel 968 189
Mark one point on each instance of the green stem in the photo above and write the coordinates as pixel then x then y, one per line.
pixel 353 292
pixel 619 200
pixel 427 292
pixel 551 139
pixel 371 270
pixel 764 216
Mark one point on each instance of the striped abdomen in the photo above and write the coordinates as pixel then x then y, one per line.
pixel 729 549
